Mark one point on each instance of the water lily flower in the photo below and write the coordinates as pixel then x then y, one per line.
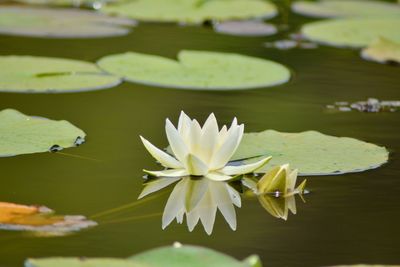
pixel 280 180
pixel 201 151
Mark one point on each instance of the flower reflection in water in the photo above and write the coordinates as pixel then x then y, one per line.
pixel 197 199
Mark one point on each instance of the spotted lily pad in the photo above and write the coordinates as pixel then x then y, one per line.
pixel 245 28
pixel 22 134
pixel 199 70
pixel 192 11
pixel 382 50
pixel 312 153
pixel 352 32
pixel 60 23
pixel 29 74
pixel 19 217
pixel 176 256
pixel 345 8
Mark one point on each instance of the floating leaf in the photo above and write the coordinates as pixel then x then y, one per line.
pixel 245 28
pixel 21 134
pixel 347 8
pixel 199 70
pixel 183 256
pixel 192 11
pixel 176 256
pixel 382 50
pixel 81 262
pixel 354 32
pixel 312 153
pixel 60 23
pixel 29 74
pixel 96 4
pixel 39 219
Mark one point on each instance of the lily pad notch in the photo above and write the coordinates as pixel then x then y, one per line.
pixel 22 134
pixel 197 70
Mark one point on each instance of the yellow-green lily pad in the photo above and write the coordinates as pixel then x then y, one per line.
pixel 192 11
pixel 352 32
pixel 30 74
pixel 96 4
pixel 311 152
pixel 199 70
pixel 22 134
pixel 60 23
pixel 382 50
pixel 176 256
pixel 345 8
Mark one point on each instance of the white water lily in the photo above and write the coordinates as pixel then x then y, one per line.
pixel 201 151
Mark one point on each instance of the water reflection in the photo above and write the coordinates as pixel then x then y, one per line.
pixel 197 199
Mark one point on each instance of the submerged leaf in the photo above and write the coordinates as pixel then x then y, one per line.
pixel 39 219
pixel 345 8
pixel 382 50
pixel 352 32
pixel 245 28
pixel 29 74
pixel 311 152
pixel 21 134
pixel 199 70
pixel 60 23
pixel 192 11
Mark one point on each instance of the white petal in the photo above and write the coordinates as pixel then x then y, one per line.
pixel 235 196
pixel 223 200
pixel 247 168
pixel 196 190
pixel 209 139
pixel 195 166
pixel 168 173
pixel 184 126
pixel 195 137
pixel 176 142
pixel 174 205
pixel 165 159
pixel 222 135
pixel 192 219
pixel 207 210
pixel 217 176
pixel 225 152
pixel 156 185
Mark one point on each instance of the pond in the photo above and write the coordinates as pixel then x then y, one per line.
pixel 346 219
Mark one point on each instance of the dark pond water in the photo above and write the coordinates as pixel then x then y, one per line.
pixel 350 218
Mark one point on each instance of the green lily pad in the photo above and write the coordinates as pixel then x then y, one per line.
pixel 354 32
pixel 183 256
pixel 245 28
pixel 96 4
pixel 199 70
pixel 29 74
pixel 60 23
pixel 312 153
pixel 382 50
pixel 79 262
pixel 192 11
pixel 347 8
pixel 22 134
pixel 176 256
